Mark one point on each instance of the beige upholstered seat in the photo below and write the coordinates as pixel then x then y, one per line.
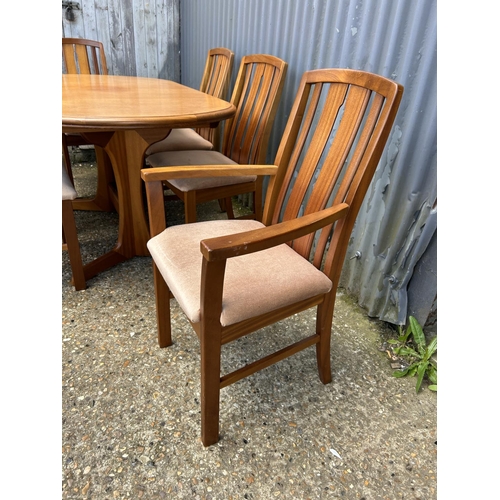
pixel 289 278
pixel 69 231
pixel 233 277
pixel 256 95
pixel 215 81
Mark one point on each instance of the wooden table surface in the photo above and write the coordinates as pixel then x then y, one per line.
pixel 124 115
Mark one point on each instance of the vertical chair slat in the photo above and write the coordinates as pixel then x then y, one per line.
pixel 69 59
pixel 334 100
pixel 370 123
pixel 84 56
pixel 231 125
pixel 291 155
pixel 262 109
pixel 251 108
pixel 83 60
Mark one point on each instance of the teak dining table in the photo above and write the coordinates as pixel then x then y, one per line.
pixel 124 115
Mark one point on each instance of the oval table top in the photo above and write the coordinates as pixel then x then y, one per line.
pixel 111 102
pixel 124 115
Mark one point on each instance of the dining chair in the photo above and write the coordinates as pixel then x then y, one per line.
pixel 256 96
pixel 82 56
pixel 70 235
pixel 233 277
pixel 215 82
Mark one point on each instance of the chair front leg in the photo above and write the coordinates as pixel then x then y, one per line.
pixel 162 295
pixel 211 344
pixel 210 385
pixel 324 318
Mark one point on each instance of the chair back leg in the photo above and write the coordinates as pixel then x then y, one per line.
pixel 162 295
pixel 324 320
pixel 67 159
pixel 73 246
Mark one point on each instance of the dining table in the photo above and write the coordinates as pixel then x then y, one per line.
pixel 124 115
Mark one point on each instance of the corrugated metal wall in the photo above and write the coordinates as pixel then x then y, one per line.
pixel 395 38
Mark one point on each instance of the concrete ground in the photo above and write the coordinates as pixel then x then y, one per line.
pixel 131 411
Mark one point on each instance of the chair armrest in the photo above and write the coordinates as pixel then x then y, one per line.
pixel 165 173
pixel 153 178
pixel 224 247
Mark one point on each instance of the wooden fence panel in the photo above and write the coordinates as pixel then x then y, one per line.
pixel 140 37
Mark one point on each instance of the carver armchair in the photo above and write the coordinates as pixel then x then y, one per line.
pixel 256 96
pixel 233 277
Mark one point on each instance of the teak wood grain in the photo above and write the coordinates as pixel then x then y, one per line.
pixel 256 96
pixel 124 115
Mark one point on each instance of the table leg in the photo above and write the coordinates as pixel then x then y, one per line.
pixel 126 151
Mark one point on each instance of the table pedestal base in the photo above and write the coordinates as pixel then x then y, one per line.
pixel 125 148
pixel 102 201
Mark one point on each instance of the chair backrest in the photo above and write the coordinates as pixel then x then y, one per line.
pixel 217 72
pixel 256 95
pixel 334 138
pixel 83 56
pixel 215 82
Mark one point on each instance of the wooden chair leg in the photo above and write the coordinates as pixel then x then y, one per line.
pixel 162 294
pixel 257 204
pixel 73 246
pixel 222 204
pixel 228 205
pixel 190 207
pixel 67 159
pixel 210 388
pixel 211 345
pixel 324 318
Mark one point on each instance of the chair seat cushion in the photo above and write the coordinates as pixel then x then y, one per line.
pixel 253 284
pixel 186 158
pixel 180 139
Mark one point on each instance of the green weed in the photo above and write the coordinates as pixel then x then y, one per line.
pixel 412 346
